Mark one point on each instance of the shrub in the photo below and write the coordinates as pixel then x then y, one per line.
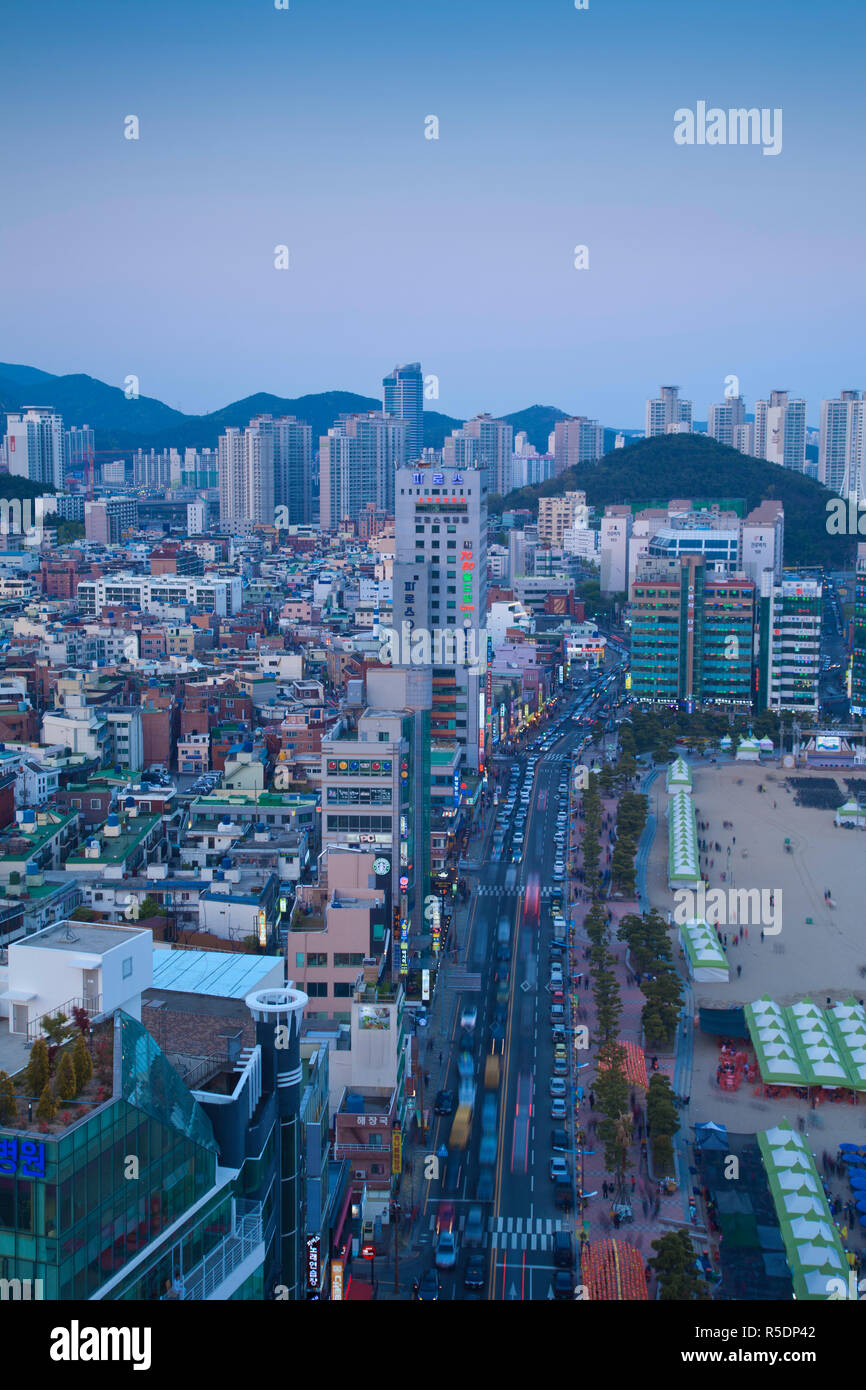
pixel 8 1099
pixel 81 1062
pixel 66 1084
pixel 38 1068
pixel 46 1109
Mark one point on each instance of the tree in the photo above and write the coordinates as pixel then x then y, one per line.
pixel 81 1062
pixel 65 1083
pixel 675 1266
pixel 612 1092
pixel 38 1069
pixel 149 908
pixel 47 1108
pixel 57 1028
pixel 8 1099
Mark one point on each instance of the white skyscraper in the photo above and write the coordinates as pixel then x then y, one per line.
pixel 36 446
pixel 668 413
pixel 292 442
pixel 842 445
pixel 246 476
pixel 780 431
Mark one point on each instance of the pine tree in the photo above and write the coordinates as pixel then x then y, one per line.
pixel 38 1068
pixel 47 1108
pixel 8 1098
pixel 66 1083
pixel 82 1063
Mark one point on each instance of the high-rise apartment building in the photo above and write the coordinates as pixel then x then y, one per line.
pixel 403 398
pixel 36 445
pixel 726 420
pixel 106 521
pixel 577 440
pixel 780 431
pixel 246 475
pixel 668 414
pixel 292 443
pixel 440 595
pixel 842 445
pixel 491 449
pixel 80 444
pixel 691 635
pixel 357 462
pixel 789 644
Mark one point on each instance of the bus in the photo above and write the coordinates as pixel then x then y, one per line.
pixel 491 1072
pixel 460 1128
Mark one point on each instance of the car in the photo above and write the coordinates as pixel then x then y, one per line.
pixel 469 1018
pixel 446 1250
pixel 558 1108
pixel 563 1284
pixel 560 1066
pixel 453 1172
pixel 563 1250
pixel 427 1287
pixel 558 1169
pixel 503 951
pixel 557 996
pixel 557 949
pixel 557 1087
pixel 500 1014
pixel 557 1014
pixel 473 1231
pixel 558 1035
pixel 488 1148
pixel 444 1103
pixel 556 972
pixel 559 1140
pixel 473 1274
pixel 502 990
pixel 563 1195
pixel 484 1189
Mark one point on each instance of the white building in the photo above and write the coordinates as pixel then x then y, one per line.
pixel 503 615
pixel 780 431
pixel 36 445
pixel 97 968
pixel 614 534
pixel 357 461
pixel 842 446
pixel 726 420
pixel 667 413
pixel 493 450
pixel 223 595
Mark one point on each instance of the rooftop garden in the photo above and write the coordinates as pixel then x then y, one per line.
pixel 69 1074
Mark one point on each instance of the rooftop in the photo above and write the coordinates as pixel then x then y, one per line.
pixel 79 937
pixel 225 973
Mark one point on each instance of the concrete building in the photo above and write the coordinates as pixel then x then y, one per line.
pixel 613 544
pixel 556 514
pixel 726 420
pixel 842 446
pixel 220 595
pixel 789 643
pixel 780 431
pixel 357 462
pixel 106 521
pixel 667 414
pixel 483 443
pixel 440 589
pixel 577 440
pixel 403 398
pixel 36 446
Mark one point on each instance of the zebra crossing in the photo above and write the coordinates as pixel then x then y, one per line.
pixel 515 1232
pixel 497 890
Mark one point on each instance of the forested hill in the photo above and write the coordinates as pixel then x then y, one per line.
pixel 651 471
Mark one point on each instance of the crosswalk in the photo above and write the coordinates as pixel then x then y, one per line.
pixel 497 890
pixel 515 1232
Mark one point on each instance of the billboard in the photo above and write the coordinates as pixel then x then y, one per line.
pixel 827 743
pixel 373 1016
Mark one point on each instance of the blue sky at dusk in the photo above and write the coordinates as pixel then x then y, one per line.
pixel 306 127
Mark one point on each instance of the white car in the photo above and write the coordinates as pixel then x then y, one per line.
pixel 558 1109
pixel 446 1250
pixel 469 1018
pixel 557 1088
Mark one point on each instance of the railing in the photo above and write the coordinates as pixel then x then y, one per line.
pixel 207 1276
pixel 91 1003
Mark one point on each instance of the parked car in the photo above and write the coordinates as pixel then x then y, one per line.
pixel 557 1087
pixel 558 1108
pixel 559 1171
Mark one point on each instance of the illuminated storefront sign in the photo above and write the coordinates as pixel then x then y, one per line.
pixel 425 985
pixel 24 1158
pixel 336 1280
pixel 314 1245
pixel 396 1151
pixel 404 946
pixel 263 927
pixel 467 565
pixel 456 787
pixel 481 709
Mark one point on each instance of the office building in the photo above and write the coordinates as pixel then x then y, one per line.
pixel 36 445
pixel 108 520
pixel 613 544
pixel 403 398
pixel 440 589
pixel 842 445
pixel 668 414
pixel 780 431
pixel 691 635
pixel 577 440
pixel 789 644
pixel 357 462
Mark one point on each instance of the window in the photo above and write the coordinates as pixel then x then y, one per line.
pixel 95 803
pixel 343 991
pixel 299 960
pixel 316 989
pixel 126 970
pixel 317 958
pixel 348 958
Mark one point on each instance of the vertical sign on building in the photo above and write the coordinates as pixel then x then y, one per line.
pixel 396 1150
pixel 336 1280
pixel 425 985
pixel 314 1245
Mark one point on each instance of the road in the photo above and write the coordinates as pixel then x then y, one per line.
pixel 514 1020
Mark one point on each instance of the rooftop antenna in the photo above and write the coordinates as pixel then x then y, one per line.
pixel 69 934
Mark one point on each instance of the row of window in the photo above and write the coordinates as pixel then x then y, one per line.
pixel 319 959
pixel 318 989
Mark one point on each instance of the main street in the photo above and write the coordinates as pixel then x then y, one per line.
pixel 515 1191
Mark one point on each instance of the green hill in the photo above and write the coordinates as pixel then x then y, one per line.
pixel 688 465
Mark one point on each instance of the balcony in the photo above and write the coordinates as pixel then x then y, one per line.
pixel 207 1279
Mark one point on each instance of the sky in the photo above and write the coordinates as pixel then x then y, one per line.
pixel 305 127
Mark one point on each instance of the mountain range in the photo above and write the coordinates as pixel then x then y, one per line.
pixel 123 425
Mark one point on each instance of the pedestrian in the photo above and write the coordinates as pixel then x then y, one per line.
pixel 592 1100
pixel 762 935
pixel 739 971
pixel 440 1059
pixel 632 1182
pixel 645 1205
pixel 604 1190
